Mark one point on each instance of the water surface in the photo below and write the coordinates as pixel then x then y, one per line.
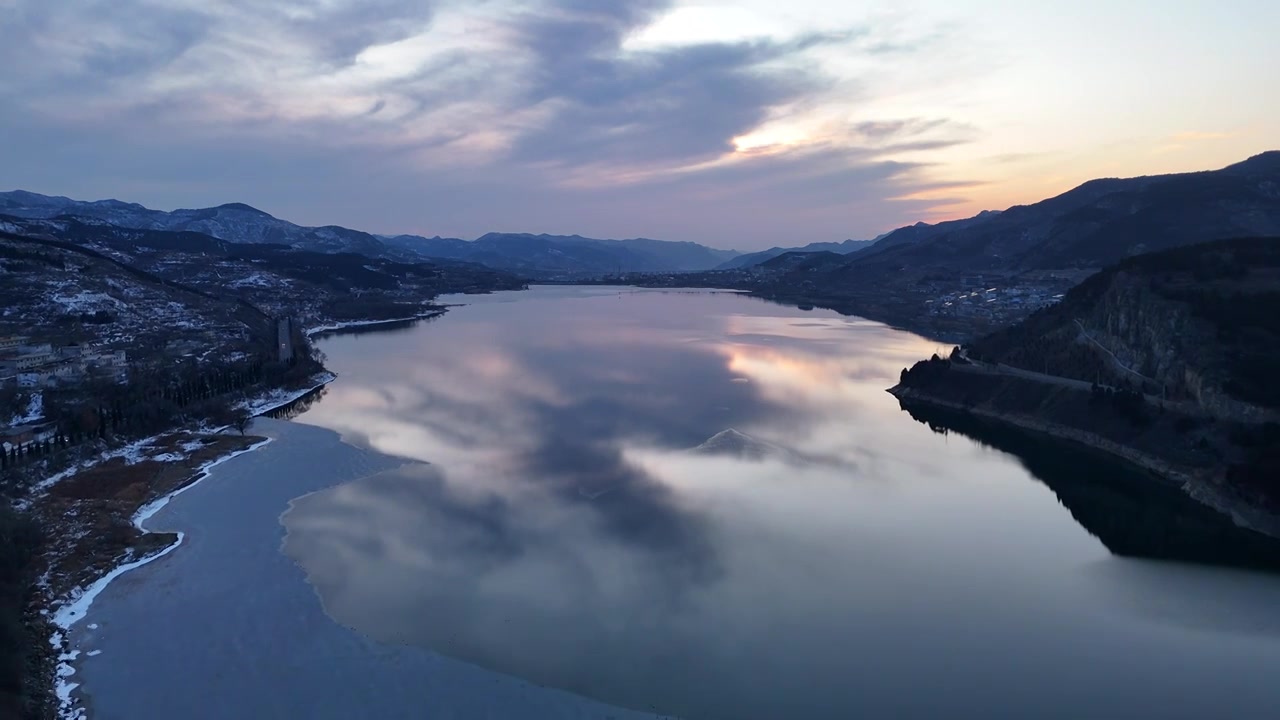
pixel 706 505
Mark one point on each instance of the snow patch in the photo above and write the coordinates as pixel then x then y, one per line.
pixel 365 323
pixel 255 280
pixel 33 412
pixel 85 300
pixel 277 398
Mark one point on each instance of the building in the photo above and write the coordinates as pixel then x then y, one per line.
pixel 72 351
pixel 115 359
pixel 11 342
pixel 12 437
pixel 36 359
pixel 15 436
pixel 34 379
pixel 18 356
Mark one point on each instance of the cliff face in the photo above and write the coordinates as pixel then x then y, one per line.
pixel 1161 344
pixel 1197 326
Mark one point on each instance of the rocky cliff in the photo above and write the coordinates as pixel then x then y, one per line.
pixel 1168 361
pixel 1198 326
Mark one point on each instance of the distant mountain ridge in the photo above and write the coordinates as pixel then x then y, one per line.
pixel 756 258
pixel 232 222
pixel 568 255
pixel 536 256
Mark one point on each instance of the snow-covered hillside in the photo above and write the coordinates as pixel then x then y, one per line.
pixel 234 222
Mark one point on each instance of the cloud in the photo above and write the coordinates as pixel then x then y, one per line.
pixel 60 47
pixel 673 106
pixel 1182 140
pixel 885 130
pixel 340 31
pixel 447 117
pixel 1192 136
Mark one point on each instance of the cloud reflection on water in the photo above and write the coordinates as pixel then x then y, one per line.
pixel 552 488
pixel 565 530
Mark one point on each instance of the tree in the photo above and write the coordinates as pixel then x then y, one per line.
pixel 242 421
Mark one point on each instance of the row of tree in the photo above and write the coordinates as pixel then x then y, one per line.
pixel 155 402
pixel 20 540
pixel 144 406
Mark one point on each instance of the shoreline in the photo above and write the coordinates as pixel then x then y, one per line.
pixel 1197 486
pixel 77 605
pixel 337 328
pixel 58 613
pixel 63 611
pixel 276 399
pixel 899 317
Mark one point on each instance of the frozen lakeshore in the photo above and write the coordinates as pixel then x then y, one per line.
pixel 226 626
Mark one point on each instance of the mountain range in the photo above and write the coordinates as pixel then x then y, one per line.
pixel 1093 225
pixel 535 256
pixel 233 222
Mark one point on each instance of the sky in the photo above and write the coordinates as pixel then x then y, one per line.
pixel 740 125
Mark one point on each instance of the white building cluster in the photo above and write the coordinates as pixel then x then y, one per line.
pixel 32 365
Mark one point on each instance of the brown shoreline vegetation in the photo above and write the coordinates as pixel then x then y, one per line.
pixel 88 530
pixel 70 501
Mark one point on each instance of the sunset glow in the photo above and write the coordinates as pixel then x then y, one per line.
pixel 546 116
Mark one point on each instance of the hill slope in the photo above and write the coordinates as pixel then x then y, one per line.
pixel 1166 359
pixel 922 276
pixel 315 287
pixel 1199 323
pixel 1100 222
pixel 53 292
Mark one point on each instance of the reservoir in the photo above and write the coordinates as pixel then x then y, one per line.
pixel 593 502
